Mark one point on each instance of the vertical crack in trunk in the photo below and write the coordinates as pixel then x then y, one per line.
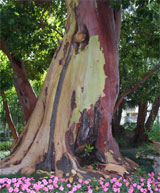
pixel 48 163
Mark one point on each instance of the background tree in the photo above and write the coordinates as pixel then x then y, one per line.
pixel 27 37
pixel 138 55
pixel 6 83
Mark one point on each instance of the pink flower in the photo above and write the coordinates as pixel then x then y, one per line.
pixel 55 184
pixel 90 191
pixel 105 189
pixel 69 185
pixel 127 184
pixel 78 186
pixel 9 181
pixel 14 180
pixel 115 189
pixel 2 181
pixel 16 189
pixel 45 182
pixel 10 189
pixel 45 189
pixel 80 180
pixel 55 179
pixel 138 187
pixel 74 188
pixel 63 180
pixel 50 187
pixel 32 191
pixel 131 190
pixel 113 180
pixel 16 185
pixel 141 179
pixel 86 182
pixel 61 188
pixel 101 182
pixel 107 184
pixel 118 184
pixel 134 184
pixel 50 181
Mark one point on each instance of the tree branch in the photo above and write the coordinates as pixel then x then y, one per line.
pixel 132 89
pixel 46 25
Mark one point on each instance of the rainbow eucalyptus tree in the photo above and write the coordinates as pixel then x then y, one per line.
pixel 77 99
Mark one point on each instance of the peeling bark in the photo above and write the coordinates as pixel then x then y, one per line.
pixel 82 88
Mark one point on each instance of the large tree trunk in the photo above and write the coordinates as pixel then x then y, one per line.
pixel 77 99
pixel 153 113
pixel 9 118
pixel 24 89
pixel 139 131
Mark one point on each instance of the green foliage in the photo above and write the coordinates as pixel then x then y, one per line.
pixel 30 30
pixel 6 73
pixel 88 149
pixel 138 50
pixel 129 126
pixel 5 145
pixel 4 154
pixel 122 141
pixel 140 172
pixel 154 133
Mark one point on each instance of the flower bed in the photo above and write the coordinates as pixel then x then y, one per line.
pixel 149 183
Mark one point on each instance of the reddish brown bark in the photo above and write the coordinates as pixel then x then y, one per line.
pixel 139 131
pixel 9 117
pixel 153 113
pixel 132 89
pixel 109 44
pixel 24 90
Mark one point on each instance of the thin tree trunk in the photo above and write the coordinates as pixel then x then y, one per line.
pixel 153 113
pixel 139 131
pixel 9 117
pixel 24 90
pixel 116 127
pixel 77 99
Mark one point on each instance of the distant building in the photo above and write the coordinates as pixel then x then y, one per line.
pixel 130 115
